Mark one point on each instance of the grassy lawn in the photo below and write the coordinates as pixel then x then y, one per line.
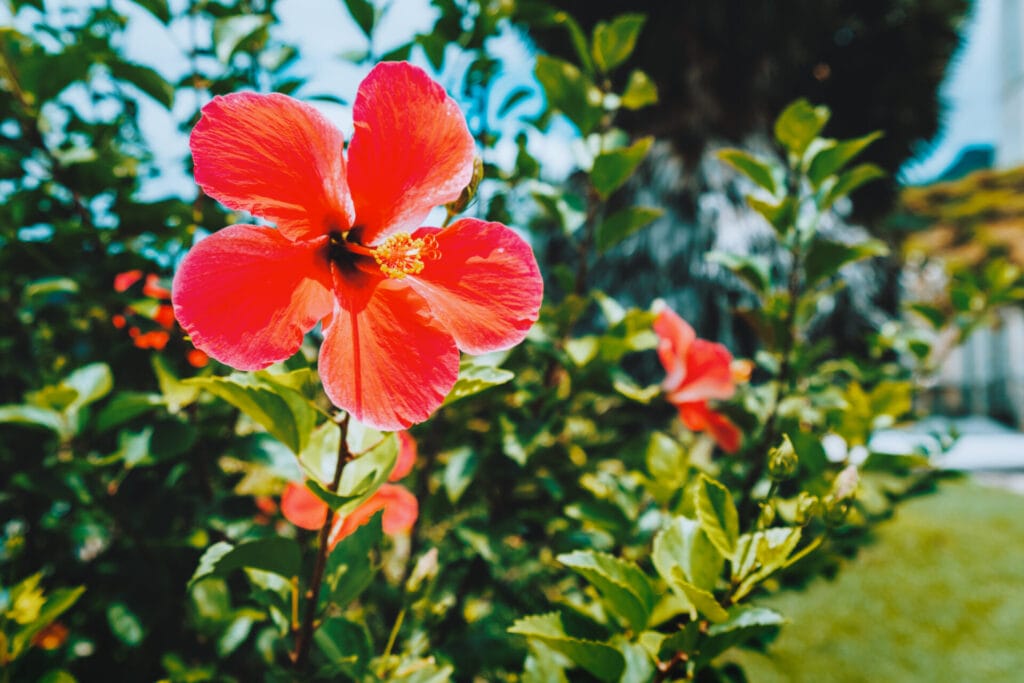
pixel 938 597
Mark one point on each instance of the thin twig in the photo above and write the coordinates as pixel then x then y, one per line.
pixel 305 635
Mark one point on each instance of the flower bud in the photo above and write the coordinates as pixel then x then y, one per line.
pixel 469 192
pixel 845 484
pixel 806 507
pixel 782 460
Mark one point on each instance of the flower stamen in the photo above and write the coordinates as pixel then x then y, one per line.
pixel 400 255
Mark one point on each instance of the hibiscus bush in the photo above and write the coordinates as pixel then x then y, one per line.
pixel 326 418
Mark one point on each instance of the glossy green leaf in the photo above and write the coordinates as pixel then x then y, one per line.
pixel 798 124
pixel 281 556
pixel 668 464
pixel 50 285
pixel 124 407
pixel 780 215
pixel 603 661
pixel 364 14
pixel 760 172
pixel 831 159
pixel 158 8
pixel 717 514
pixel 703 601
pixel 569 91
pixel 474 377
pixel 685 545
pixel 614 42
pixel 741 626
pixel 235 634
pixel 145 79
pixel 459 472
pixel 624 223
pixel 614 168
pixel 345 643
pixel 753 269
pixel 825 258
pixel 640 91
pixel 176 394
pixel 626 590
pixel 279 409
pixel 231 33
pixel 92 382
pixel 849 181
pixel 34 415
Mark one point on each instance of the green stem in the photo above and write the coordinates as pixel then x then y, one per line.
pixel 304 639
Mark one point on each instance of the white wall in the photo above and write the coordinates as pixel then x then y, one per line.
pixel 1010 149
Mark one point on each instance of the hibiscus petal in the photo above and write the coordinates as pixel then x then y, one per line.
pixel 708 374
pixel 400 512
pixel 384 359
pixel 301 507
pixel 406 456
pixel 698 417
pixel 247 295
pixel 485 287
pixel 276 158
pixel 411 150
pixel 675 337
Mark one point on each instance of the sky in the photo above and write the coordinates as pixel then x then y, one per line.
pixel 971 95
pixel 324 31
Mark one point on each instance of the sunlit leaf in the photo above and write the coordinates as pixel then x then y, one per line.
pixel 612 169
pixel 602 660
pixel 614 42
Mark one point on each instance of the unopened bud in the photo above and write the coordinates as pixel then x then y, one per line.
pixel 469 192
pixel 806 507
pixel 425 570
pixel 766 516
pixel 846 483
pixel 782 460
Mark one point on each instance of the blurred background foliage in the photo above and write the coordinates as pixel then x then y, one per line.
pixel 120 476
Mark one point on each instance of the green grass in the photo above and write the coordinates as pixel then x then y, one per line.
pixel 939 596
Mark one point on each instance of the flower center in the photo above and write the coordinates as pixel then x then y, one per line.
pixel 401 255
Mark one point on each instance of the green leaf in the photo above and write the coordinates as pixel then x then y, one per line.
pixel 780 215
pixel 57 602
pixel 850 181
pixel 92 382
pixel 459 472
pixel 577 38
pixel 235 634
pixel 612 169
pixel 834 157
pixel 281 410
pixel 702 600
pixel 668 465
pixel 825 257
pixel 145 79
pixel 158 8
pixel 753 269
pixel 345 643
pixel 125 625
pixel 717 514
pixel 625 588
pixel 50 285
pixel 741 626
pixel 176 394
pixel 757 170
pixel 640 91
pixel 761 554
pixel 624 223
pixel 33 415
pixel 231 33
pixel 125 406
pixel 57 676
pixel 603 661
pixel 474 377
pixel 570 92
pixel 364 14
pixel 683 544
pixel 433 47
pixel 614 43
pixel 281 556
pixel 798 124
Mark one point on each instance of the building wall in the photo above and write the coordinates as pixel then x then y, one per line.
pixel 1010 149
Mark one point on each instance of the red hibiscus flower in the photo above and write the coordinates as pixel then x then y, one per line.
pixel 698 371
pixel 397 301
pixel 304 509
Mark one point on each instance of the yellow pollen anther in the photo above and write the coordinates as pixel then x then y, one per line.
pixel 401 255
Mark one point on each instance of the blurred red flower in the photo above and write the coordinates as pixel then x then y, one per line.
pixel 698 371
pixel 304 509
pixel 123 281
pixel 397 301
